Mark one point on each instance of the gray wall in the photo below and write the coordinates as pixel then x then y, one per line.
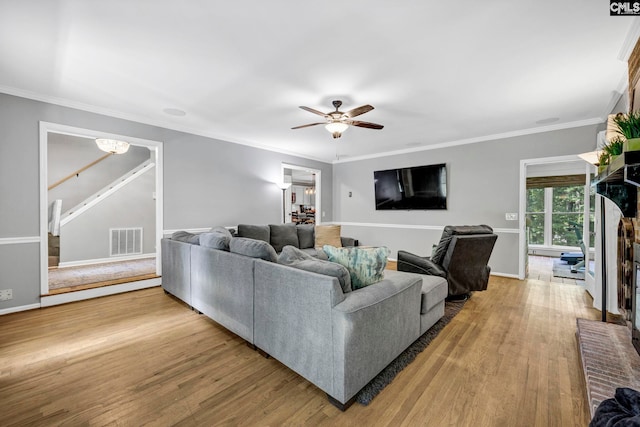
pixel 206 182
pixel 87 236
pixel 483 185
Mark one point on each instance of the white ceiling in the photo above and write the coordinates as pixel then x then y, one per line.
pixel 436 72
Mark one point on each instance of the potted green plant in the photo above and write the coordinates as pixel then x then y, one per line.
pixel 609 153
pixel 629 126
pixel 603 161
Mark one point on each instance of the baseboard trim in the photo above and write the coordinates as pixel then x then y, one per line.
pixel 51 300
pixel 104 260
pixel 19 308
pixel 509 275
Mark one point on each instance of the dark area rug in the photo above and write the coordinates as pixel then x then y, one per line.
pixel 384 378
pixel 562 269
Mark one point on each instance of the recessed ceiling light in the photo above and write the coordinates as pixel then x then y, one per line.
pixel 174 112
pixel 547 121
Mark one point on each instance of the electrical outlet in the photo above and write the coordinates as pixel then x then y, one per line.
pixel 511 216
pixel 6 294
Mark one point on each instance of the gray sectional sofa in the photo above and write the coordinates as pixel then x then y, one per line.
pixel 337 340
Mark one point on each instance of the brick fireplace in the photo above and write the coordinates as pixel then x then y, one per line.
pixel 609 359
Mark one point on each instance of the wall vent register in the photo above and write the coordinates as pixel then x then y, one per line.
pixel 125 241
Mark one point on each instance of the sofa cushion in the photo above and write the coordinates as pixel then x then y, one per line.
pixel 366 265
pixel 457 230
pixel 297 258
pixel 258 232
pixel 186 237
pixel 291 254
pixel 316 253
pixel 217 238
pixel 253 248
pixel 282 235
pixel 306 236
pixel 328 235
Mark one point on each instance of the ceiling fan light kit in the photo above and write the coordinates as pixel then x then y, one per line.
pixel 337 121
pixel 336 128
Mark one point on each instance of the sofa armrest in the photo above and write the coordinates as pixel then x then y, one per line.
pixel 176 268
pixel 415 264
pixel 348 241
pixel 292 319
pixel 371 327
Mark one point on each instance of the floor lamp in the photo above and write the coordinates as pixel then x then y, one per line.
pixel 283 186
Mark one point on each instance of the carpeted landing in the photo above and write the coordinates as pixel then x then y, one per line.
pixel 384 378
pixel 107 273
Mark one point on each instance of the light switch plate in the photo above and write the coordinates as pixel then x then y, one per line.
pixel 509 216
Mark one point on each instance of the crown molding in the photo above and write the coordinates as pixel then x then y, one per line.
pixel 145 120
pixel 523 132
pixel 630 41
pixel 63 102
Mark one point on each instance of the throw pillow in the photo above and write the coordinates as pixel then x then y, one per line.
pixel 365 265
pixel 258 232
pixel 283 235
pixel 217 238
pixel 306 236
pixel 328 235
pixel 253 248
pixel 186 237
pixel 296 258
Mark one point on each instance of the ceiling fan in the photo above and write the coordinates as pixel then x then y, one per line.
pixel 337 122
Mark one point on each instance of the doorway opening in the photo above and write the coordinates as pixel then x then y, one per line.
pixel 557 219
pixel 302 200
pixel 100 215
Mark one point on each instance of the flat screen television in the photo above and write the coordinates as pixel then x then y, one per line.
pixel 419 188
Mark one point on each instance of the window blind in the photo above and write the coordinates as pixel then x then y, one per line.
pixel 555 181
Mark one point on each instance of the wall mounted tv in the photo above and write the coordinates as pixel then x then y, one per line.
pixel 419 187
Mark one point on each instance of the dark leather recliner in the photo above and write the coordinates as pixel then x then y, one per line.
pixel 461 257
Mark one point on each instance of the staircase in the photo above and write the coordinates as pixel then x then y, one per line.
pixel 54 250
pixel 105 192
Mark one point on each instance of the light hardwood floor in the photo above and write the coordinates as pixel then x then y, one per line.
pixel 509 358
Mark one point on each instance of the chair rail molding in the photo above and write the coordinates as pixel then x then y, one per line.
pixel 19 240
pixel 411 226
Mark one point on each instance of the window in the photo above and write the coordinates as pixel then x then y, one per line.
pixel 555 215
pixel 535 215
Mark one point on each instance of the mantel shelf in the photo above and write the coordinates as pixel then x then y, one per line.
pixel 620 181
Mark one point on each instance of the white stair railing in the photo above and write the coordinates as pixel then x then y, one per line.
pixel 105 192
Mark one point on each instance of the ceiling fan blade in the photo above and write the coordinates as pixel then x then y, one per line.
pixel 365 124
pixel 357 111
pixel 311 110
pixel 310 124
